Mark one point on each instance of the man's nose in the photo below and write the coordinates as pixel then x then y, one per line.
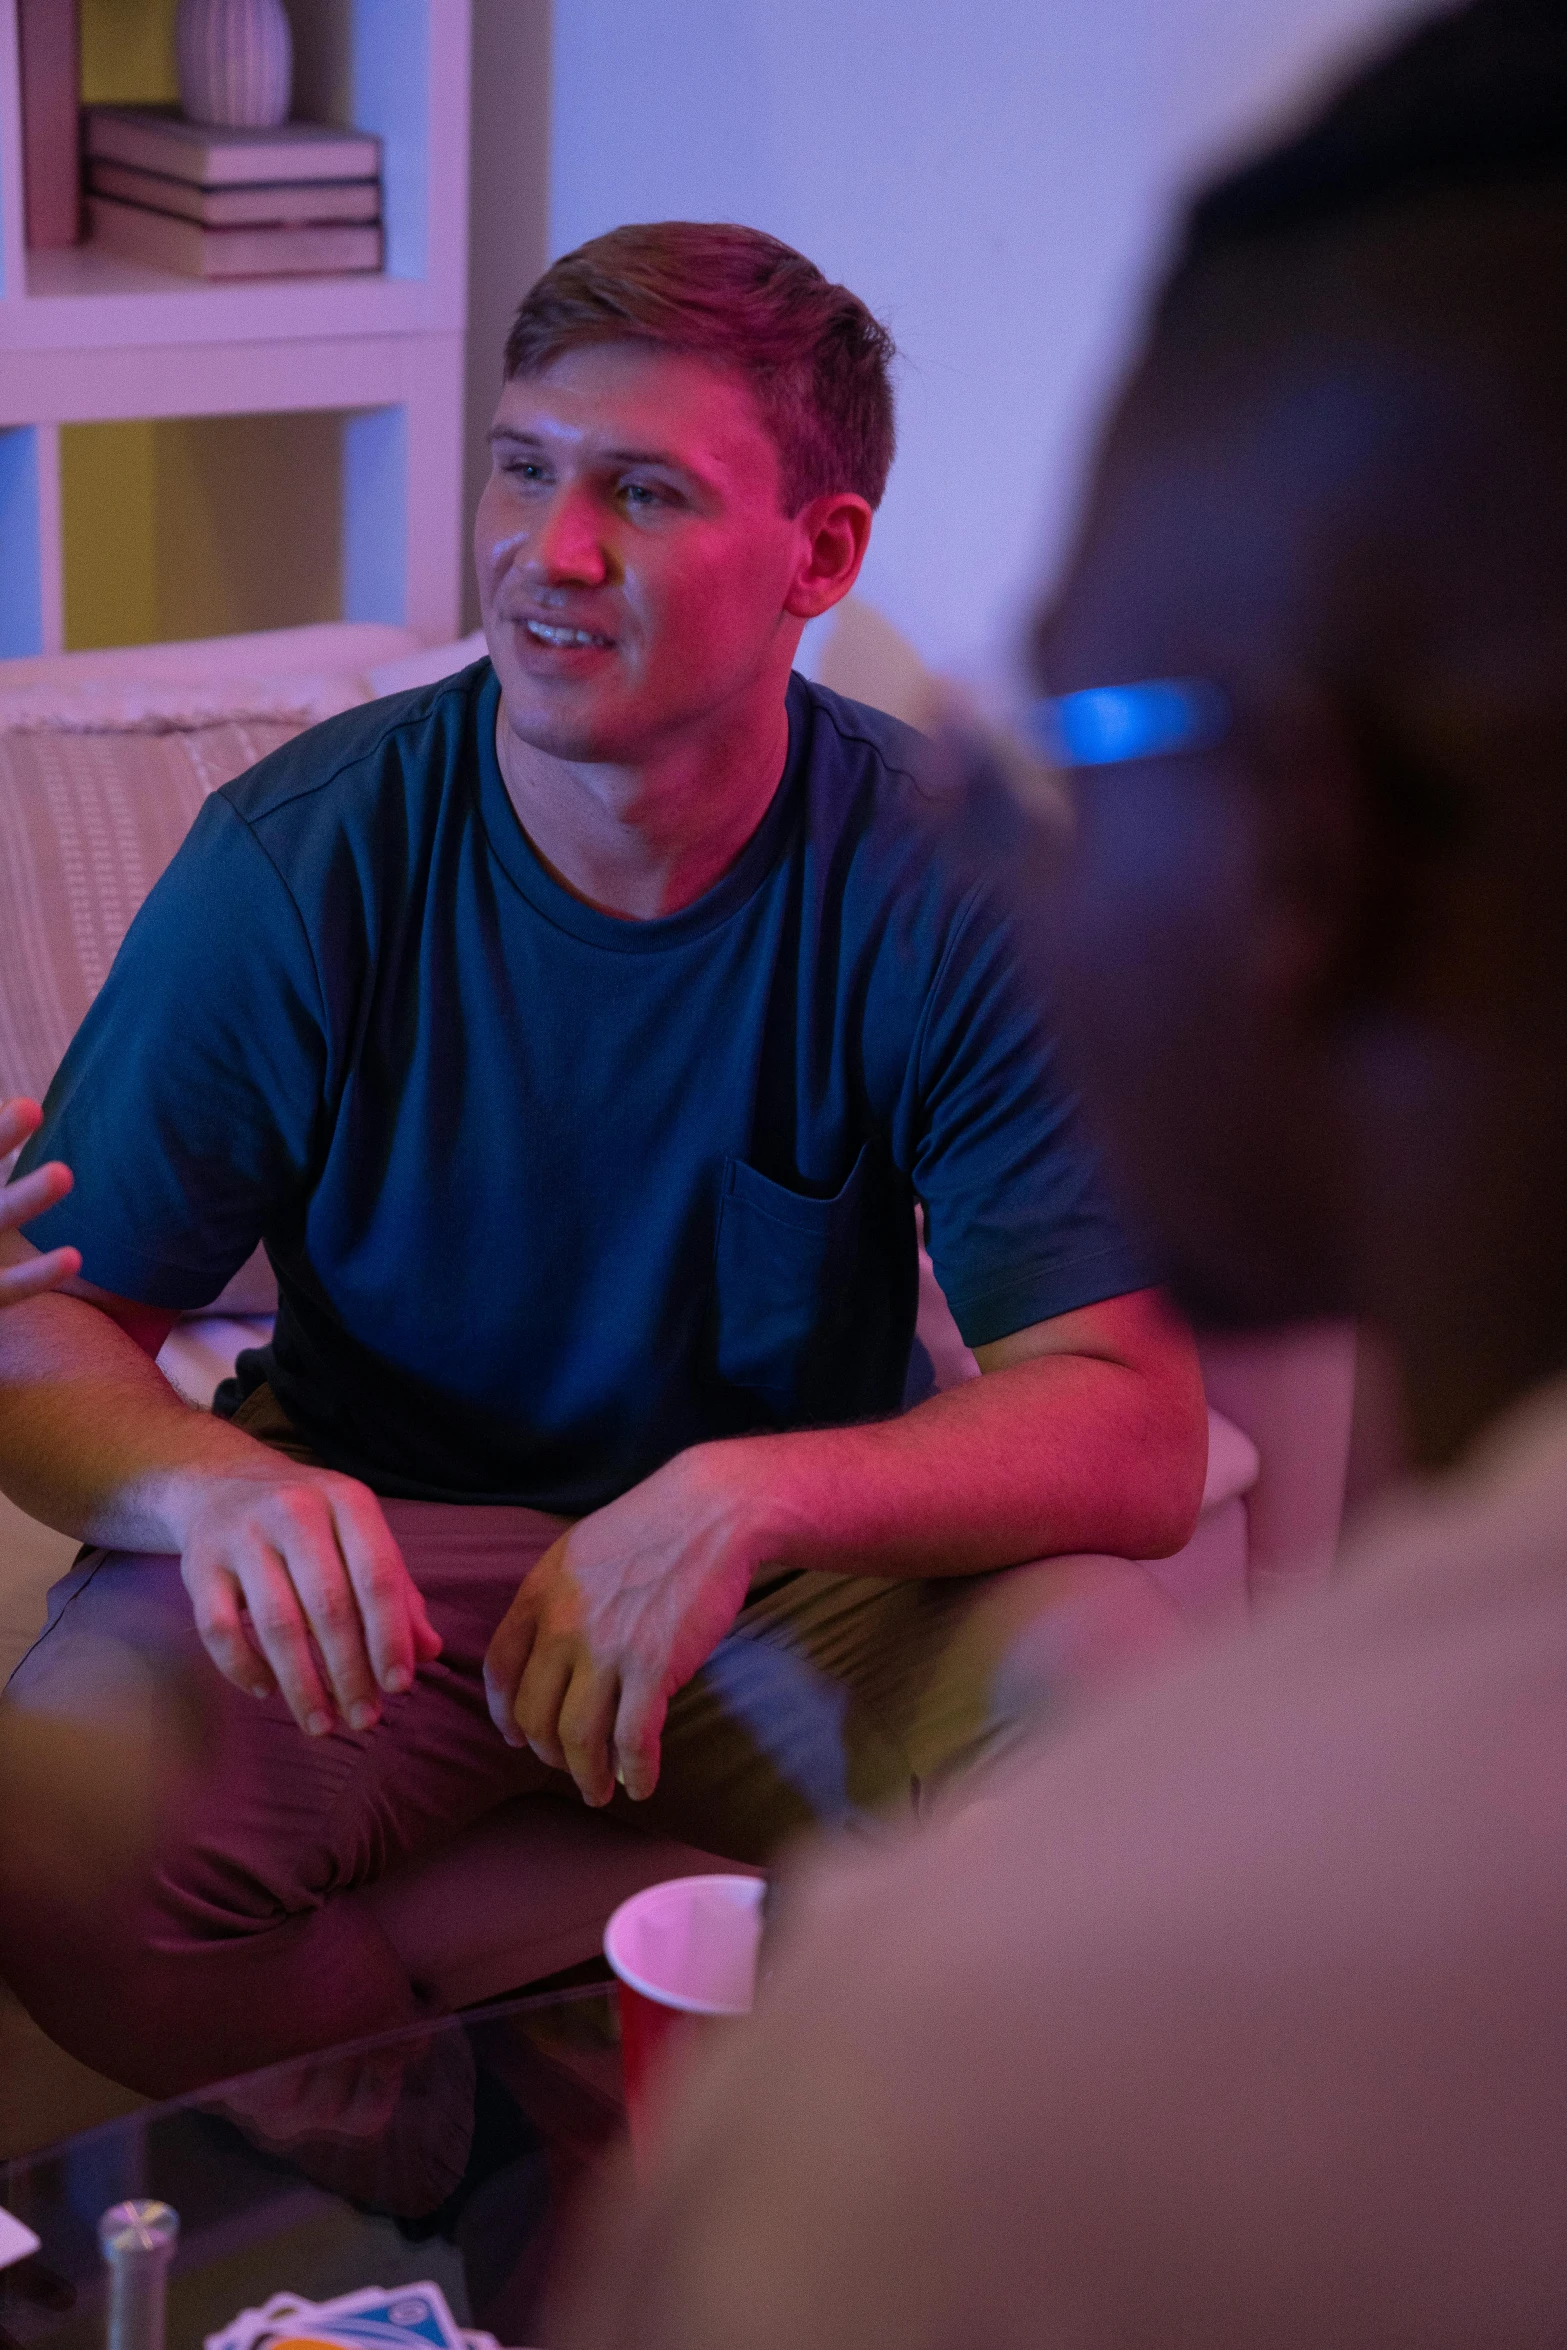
pixel 566 545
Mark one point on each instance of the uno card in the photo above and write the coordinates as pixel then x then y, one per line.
pixel 412 2314
pixel 409 2317
pixel 253 2325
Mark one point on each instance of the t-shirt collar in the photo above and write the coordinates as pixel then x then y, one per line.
pixel 513 851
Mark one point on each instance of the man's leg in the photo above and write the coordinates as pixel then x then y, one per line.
pixel 841 1699
pixel 229 1950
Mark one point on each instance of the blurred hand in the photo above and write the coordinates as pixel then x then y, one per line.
pixel 618 1614
pixel 20 1202
pixel 297 1585
pixel 81 1799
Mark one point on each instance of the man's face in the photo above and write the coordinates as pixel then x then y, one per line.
pixel 633 557
pixel 1168 934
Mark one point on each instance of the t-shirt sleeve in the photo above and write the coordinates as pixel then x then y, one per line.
pixel 1018 1218
pixel 189 1098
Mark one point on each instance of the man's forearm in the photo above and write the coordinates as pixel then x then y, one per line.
pixel 94 1440
pixel 1054 1455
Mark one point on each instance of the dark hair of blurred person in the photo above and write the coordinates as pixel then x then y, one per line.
pixel 1337 485
pixel 1235 2014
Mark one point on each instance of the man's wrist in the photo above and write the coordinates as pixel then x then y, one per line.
pixel 763 1492
pixel 167 1500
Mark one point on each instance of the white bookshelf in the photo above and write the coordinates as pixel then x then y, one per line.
pixel 86 337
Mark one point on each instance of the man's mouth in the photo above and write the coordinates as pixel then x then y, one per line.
pixel 546 632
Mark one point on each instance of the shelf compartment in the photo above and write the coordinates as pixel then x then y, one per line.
pixel 365 63
pixel 200 526
pixel 83 298
pixel 88 338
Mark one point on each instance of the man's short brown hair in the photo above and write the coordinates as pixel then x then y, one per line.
pixel 817 362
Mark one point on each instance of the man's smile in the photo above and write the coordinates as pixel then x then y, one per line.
pixel 562 635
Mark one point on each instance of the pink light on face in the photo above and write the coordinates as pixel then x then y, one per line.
pixel 633 558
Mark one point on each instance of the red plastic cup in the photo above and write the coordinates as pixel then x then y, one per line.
pixel 684 1956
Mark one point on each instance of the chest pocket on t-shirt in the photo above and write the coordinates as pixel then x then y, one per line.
pixel 784 1291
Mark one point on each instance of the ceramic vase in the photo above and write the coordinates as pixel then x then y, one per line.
pixel 235 61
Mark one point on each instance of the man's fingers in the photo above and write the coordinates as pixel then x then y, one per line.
pixel 390 1608
pixel 587 1715
pixel 308 1542
pixel 332 1608
pixel 278 1626
pixel 18 1119
pixel 639 1727
pixel 504 1661
pixel 540 1695
pixel 21 1201
pixel 36 1274
pixel 426 1638
pixel 221 1621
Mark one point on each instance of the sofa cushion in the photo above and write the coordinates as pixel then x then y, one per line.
pixel 88 820
pixel 336 647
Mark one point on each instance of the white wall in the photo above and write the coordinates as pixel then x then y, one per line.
pixel 508 205
pixel 993 176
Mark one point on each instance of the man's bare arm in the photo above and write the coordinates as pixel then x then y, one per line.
pixel 1086 1433
pixel 284 1564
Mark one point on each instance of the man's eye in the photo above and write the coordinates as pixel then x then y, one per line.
pixel 643 494
pixel 524 469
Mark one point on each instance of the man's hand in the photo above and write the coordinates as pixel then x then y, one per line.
pixel 297 1585
pixel 293 1574
pixel 20 1202
pixel 618 1615
pixel 1086 1433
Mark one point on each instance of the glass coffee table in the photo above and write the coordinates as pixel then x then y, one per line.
pixel 449 2152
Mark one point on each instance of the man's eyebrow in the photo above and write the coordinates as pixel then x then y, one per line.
pixel 522 439
pixel 646 457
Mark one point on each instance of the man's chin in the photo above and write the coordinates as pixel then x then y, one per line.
pixel 578 746
pixel 583 737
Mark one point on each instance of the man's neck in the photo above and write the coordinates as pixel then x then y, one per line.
pixel 639 841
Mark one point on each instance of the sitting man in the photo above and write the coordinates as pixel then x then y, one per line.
pixel 578 1034
pixel 1263 2042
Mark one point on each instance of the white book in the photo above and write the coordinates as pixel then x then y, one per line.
pixel 158 138
pixel 317 249
pixel 277 201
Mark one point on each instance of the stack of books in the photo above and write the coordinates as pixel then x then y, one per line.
pixel 302 200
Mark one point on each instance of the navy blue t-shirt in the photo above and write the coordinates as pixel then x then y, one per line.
pixel 552 1195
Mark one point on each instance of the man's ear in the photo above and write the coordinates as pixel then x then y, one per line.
pixel 834 532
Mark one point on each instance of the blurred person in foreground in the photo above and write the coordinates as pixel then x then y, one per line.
pixel 1236 2016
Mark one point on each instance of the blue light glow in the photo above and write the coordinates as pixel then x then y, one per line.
pixel 1108 724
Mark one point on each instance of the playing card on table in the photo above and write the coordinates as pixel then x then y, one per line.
pixel 408 2317
pixel 407 2314
pixel 252 2325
